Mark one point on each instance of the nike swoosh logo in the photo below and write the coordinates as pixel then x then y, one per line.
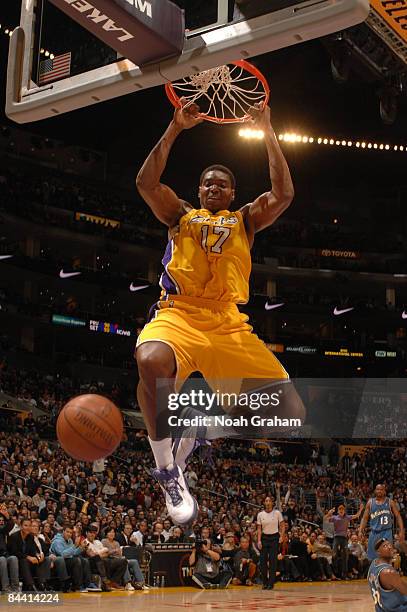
pixel 136 288
pixel 63 274
pixel 339 312
pixel 5 256
pixel 268 306
pixel 404 315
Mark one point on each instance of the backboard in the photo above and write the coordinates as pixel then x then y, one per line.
pixel 56 66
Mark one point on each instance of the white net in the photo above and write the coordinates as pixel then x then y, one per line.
pixel 224 94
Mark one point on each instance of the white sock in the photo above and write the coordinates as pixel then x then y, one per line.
pixel 162 451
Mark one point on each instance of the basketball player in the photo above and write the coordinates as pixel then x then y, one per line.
pixel 197 325
pixel 379 512
pixel 388 589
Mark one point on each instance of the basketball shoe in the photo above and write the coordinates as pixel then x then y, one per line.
pixel 181 506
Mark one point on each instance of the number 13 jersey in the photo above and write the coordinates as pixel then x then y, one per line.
pixel 381 516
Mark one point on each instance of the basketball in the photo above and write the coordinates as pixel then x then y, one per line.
pixel 89 427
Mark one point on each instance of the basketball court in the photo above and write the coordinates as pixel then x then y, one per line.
pixel 300 597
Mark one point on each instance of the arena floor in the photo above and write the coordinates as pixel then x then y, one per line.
pixel 300 597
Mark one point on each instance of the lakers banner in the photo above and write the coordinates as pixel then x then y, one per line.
pixel 394 13
pixel 80 216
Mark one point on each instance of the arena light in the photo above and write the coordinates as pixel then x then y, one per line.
pixel 295 138
pixel 250 134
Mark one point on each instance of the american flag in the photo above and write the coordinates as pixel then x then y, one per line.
pixel 52 69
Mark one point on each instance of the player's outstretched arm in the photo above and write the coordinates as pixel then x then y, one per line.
pixel 162 200
pixel 390 579
pixel 365 519
pixel 268 207
pixel 399 519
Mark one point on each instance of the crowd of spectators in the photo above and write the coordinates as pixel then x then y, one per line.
pixel 70 505
pixel 46 192
pixel 48 392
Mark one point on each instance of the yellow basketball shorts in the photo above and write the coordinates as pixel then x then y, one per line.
pixel 213 338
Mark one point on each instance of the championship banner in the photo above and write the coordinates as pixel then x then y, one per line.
pixel 394 13
pixel 142 31
pixel 81 216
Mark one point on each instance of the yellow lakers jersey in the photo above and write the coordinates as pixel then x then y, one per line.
pixel 208 256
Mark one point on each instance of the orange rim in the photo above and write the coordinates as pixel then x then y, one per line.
pixel 175 100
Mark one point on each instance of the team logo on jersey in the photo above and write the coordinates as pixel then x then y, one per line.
pixel 216 221
pixel 199 219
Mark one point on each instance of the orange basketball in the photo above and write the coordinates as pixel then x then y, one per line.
pixel 89 427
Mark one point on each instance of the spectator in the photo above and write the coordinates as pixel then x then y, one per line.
pixel 8 563
pixel 298 549
pixel 341 522
pixel 286 568
pixel 245 562
pixel 132 565
pixel 323 553
pixel 357 560
pixel 177 535
pixel 139 537
pixel 128 537
pixel 32 562
pixel 77 566
pixel 111 570
pixel 157 535
pixel 167 529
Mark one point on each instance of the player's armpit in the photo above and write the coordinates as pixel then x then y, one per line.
pixel 390 579
pixel 266 209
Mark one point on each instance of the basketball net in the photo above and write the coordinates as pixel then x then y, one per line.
pixel 224 94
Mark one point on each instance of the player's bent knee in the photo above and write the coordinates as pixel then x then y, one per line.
pixel 155 360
